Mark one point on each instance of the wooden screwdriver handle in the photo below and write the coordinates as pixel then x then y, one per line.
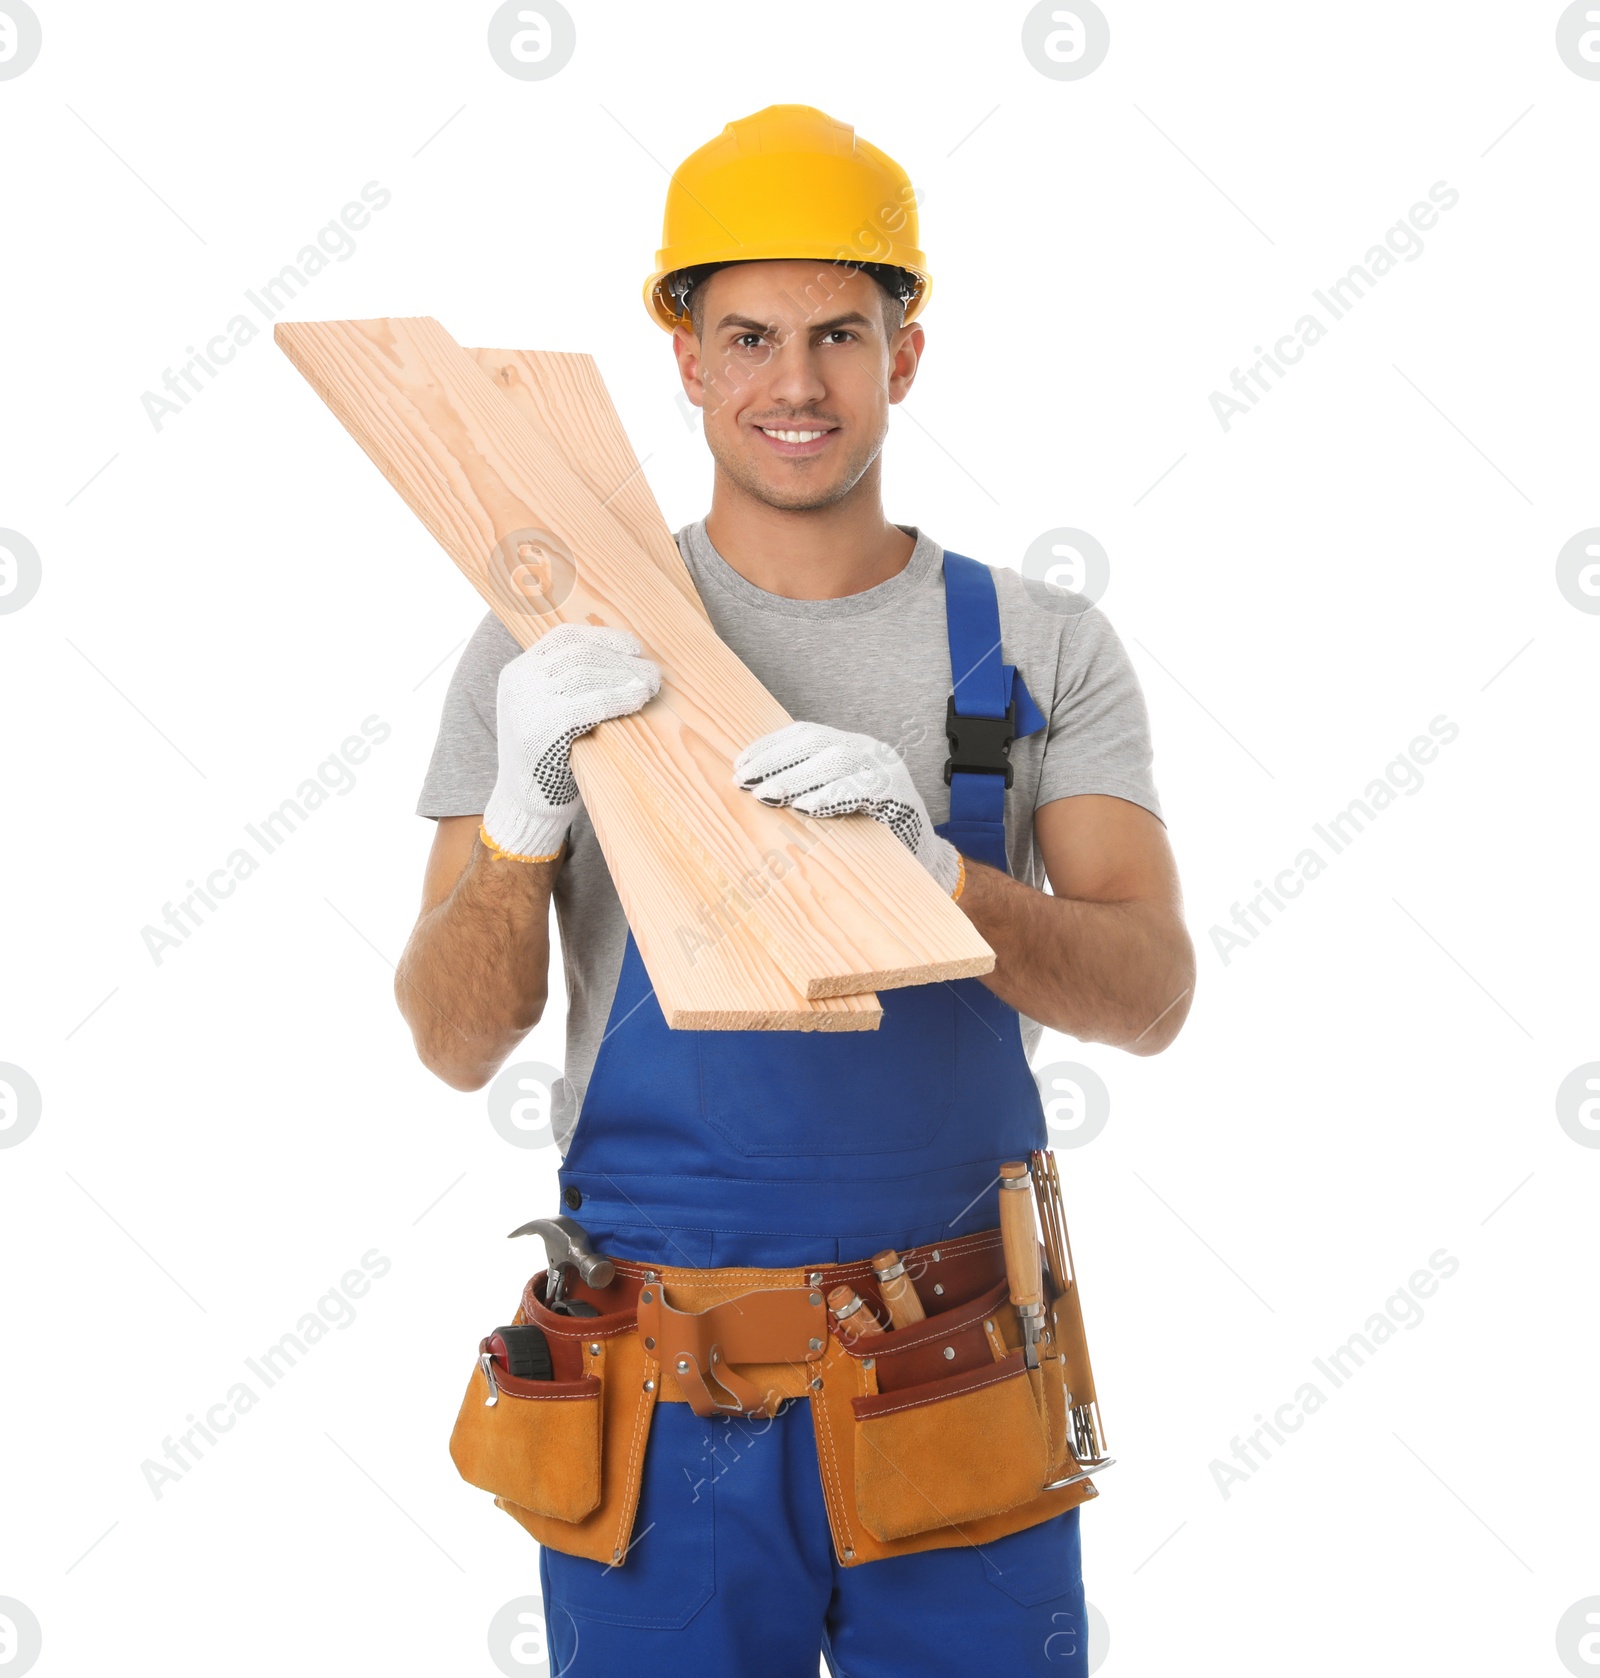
pixel 1018 1236
pixel 905 1308
pixel 854 1315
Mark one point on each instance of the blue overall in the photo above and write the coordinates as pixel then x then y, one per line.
pixel 713 1148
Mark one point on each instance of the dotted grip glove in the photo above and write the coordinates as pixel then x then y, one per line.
pixel 824 771
pixel 573 677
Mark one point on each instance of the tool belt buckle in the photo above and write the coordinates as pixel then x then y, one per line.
pixel 765 1325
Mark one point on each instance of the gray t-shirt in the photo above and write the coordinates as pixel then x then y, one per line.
pixel 874 663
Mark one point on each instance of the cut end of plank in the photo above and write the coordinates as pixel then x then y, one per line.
pixel 899 978
pixel 813 1018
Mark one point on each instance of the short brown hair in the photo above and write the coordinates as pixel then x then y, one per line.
pixel 896 285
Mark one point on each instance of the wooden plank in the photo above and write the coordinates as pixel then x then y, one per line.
pixel 840 905
pixel 564 399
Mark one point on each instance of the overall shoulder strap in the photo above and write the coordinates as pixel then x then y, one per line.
pixel 989 708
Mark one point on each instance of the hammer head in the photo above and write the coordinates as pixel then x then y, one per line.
pixel 565 1243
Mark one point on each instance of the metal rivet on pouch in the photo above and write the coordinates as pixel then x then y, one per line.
pixel 616 1555
pixel 949 1351
pixel 683 1366
pixel 649 1386
pixel 936 1255
pixel 816 1298
pixel 849 1555
pixel 646 1298
pixel 816 1344
pixel 650 1276
pixel 868 1363
pixel 987 1325
pixel 938 1287
pixel 814 1279
pixel 649 1342
pixel 594 1348
pixel 816 1384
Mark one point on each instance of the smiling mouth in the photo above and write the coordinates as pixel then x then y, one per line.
pixel 792 436
pixel 797 440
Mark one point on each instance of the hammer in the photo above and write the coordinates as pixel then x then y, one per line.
pixel 567 1249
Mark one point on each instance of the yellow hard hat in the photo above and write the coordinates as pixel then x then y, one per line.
pixel 789 181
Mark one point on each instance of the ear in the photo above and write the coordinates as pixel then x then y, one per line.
pixel 905 356
pixel 686 351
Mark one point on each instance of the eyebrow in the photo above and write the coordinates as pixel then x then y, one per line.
pixel 746 324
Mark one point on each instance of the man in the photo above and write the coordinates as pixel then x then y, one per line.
pixel 766 1150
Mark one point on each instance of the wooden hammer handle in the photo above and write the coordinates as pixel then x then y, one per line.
pixel 1018 1235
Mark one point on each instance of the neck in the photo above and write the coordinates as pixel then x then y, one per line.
pixel 812 553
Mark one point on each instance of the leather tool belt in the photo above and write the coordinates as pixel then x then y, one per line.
pixel 927 1436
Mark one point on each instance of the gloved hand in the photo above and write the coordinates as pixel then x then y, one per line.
pixel 824 771
pixel 572 677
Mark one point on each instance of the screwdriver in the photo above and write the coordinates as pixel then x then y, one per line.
pixel 898 1294
pixel 853 1314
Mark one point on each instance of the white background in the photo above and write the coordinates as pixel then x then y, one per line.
pixel 1372 546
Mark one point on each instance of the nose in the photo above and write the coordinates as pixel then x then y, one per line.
pixel 794 377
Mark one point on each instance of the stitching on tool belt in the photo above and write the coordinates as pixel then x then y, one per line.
pixel 635 1482
pixel 542 1398
pixel 825 1417
pixel 1003 1374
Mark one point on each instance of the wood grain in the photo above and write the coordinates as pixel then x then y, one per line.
pixel 840 906
pixel 563 397
pixel 729 982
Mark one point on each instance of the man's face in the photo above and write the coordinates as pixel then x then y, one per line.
pixel 795 347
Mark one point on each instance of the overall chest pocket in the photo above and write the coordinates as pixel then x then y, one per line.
pixel 819 1094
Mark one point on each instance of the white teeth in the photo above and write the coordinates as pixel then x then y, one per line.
pixel 795 436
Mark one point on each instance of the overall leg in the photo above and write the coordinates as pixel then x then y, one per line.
pixel 1013 1607
pixel 730 1567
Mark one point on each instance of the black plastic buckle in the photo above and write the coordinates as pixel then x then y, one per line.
pixel 980 745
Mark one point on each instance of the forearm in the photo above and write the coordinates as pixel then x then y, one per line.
pixel 474 977
pixel 1117 973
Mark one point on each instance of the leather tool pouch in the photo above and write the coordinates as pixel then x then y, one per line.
pixel 562 1457
pixel 939 1433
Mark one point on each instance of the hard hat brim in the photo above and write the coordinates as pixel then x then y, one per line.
pixel 670 261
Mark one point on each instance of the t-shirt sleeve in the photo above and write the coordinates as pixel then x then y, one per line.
pixel 461 773
pixel 1098 740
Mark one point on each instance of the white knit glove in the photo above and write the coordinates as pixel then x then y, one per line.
pixel 572 677
pixel 823 771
